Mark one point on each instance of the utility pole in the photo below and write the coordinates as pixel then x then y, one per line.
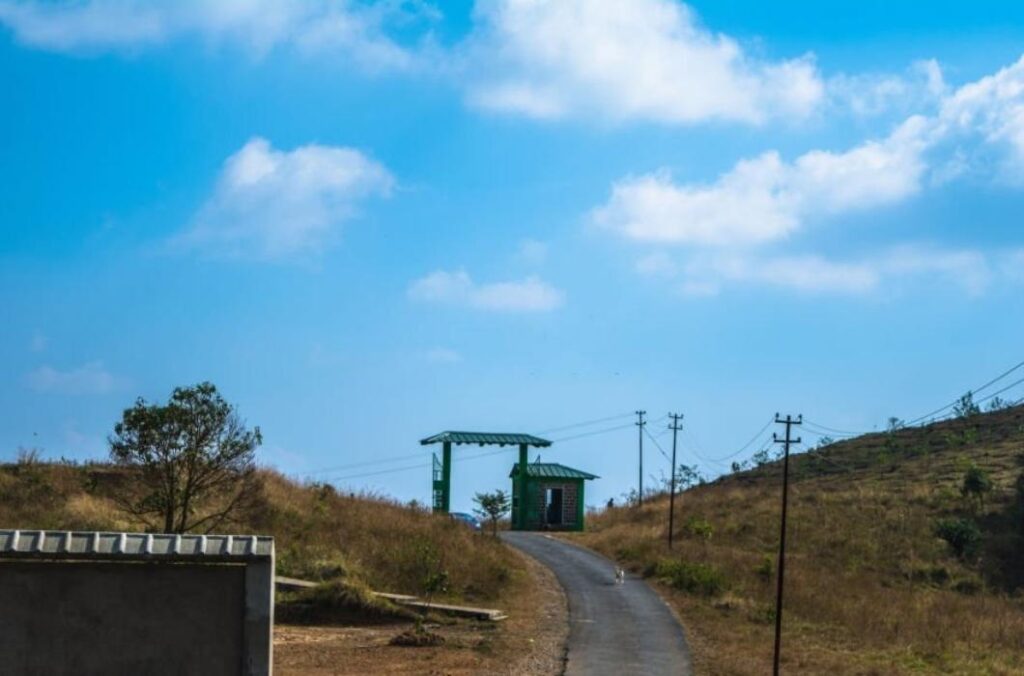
pixel 788 440
pixel 675 427
pixel 640 431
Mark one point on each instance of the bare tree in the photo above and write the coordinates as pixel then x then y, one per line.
pixel 194 456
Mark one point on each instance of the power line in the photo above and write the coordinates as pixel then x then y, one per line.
pixel 834 430
pixel 998 392
pixel 974 391
pixel 590 434
pixel 655 442
pixel 584 423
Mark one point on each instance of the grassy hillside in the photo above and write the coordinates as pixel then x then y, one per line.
pixel 319 532
pixel 870 588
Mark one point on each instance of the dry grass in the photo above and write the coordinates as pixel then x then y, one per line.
pixel 869 588
pixel 320 533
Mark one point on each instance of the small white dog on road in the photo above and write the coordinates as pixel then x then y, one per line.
pixel 620 575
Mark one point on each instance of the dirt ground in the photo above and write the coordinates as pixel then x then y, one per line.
pixel 531 642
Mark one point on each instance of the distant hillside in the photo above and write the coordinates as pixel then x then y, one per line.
pixel 870 587
pixel 320 532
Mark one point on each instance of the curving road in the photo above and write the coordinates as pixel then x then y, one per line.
pixel 614 629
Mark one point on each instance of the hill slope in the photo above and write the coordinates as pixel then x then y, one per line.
pixel 869 586
pixel 320 532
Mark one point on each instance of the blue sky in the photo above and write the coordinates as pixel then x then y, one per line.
pixel 369 222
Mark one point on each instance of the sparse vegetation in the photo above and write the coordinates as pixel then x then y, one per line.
pixel 492 506
pixel 321 533
pixel 870 586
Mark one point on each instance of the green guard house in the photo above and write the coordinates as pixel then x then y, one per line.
pixel 553 493
pixel 553 496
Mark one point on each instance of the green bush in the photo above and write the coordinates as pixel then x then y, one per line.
pixel 698 528
pixel 962 535
pixel 695 578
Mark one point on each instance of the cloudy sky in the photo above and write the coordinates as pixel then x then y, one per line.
pixel 369 222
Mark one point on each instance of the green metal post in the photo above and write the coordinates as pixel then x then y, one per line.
pixel 446 478
pixel 523 493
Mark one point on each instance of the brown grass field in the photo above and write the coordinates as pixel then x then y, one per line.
pixel 366 542
pixel 870 589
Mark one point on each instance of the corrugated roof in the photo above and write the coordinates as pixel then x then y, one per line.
pixel 486 438
pixel 98 545
pixel 552 470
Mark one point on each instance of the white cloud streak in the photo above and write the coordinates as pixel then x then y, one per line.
pixel 353 31
pixel 457 288
pixel 970 271
pixel 90 378
pixel 273 205
pixel 642 59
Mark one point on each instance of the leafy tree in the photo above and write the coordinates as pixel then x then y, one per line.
pixel 976 484
pixel 825 441
pixel 194 456
pixel 492 506
pixel 895 424
pixel 966 407
pixel 761 458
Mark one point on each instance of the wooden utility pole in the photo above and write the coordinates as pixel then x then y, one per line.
pixel 788 440
pixel 675 427
pixel 640 431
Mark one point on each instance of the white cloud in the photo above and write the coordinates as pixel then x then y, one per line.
pixel 443 355
pixel 348 29
pixel 870 94
pixel 90 378
pixel 271 204
pixel 457 288
pixel 642 59
pixel 991 109
pixel 533 252
pixel 765 199
pixel 970 271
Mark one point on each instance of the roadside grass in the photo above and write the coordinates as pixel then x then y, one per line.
pixel 870 589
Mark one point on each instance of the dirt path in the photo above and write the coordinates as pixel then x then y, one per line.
pixel 614 628
pixel 531 642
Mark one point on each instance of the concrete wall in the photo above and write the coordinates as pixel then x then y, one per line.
pixel 121 618
pixel 135 603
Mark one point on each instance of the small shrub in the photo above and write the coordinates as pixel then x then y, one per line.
pixel 968 585
pixel 976 484
pixel 695 578
pixel 962 535
pixel 698 528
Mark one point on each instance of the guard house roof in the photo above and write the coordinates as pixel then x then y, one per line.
pixel 551 470
pixel 486 438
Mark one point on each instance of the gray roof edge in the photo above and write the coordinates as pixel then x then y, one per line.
pixel 120 545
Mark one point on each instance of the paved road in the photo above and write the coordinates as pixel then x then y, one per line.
pixel 615 630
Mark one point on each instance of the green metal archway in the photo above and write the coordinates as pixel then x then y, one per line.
pixel 443 468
